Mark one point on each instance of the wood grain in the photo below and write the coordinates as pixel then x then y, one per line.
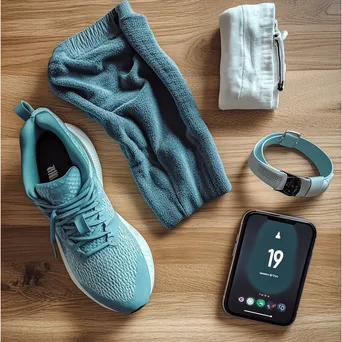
pixel 40 302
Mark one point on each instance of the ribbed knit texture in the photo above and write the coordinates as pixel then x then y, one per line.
pixel 116 72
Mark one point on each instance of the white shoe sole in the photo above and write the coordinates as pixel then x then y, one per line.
pixel 92 154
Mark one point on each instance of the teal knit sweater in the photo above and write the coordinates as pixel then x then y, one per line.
pixel 116 72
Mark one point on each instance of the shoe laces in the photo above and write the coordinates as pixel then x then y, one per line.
pixel 76 217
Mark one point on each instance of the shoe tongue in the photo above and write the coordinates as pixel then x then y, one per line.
pixel 63 189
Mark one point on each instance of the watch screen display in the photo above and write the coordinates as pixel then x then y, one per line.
pixel 270 264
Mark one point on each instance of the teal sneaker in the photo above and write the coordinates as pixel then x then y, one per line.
pixel 104 255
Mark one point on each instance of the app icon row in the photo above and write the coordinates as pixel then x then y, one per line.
pixel 260 303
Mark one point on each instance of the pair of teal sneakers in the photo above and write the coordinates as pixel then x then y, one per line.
pixel 104 255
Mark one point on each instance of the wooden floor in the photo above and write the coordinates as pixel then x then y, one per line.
pixel 40 302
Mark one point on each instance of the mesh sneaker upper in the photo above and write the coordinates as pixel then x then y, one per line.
pixel 110 272
pixel 62 189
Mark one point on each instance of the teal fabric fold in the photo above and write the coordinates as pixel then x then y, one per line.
pixel 116 72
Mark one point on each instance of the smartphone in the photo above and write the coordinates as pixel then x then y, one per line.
pixel 271 257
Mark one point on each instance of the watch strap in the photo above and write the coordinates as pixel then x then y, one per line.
pixel 287 183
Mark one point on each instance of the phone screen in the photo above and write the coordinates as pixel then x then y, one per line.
pixel 268 272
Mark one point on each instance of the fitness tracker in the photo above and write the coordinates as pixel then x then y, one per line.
pixel 289 184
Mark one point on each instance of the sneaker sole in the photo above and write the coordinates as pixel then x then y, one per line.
pixel 92 154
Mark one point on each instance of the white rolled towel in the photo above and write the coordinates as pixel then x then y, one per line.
pixel 252 70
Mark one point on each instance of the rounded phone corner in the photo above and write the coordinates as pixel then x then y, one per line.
pixel 226 308
pixel 312 226
pixel 314 230
pixel 248 214
pixel 289 322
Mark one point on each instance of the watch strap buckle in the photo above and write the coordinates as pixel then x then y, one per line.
pixel 289 139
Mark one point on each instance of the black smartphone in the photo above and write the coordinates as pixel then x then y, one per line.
pixel 270 260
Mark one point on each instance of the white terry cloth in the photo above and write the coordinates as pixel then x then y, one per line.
pixel 252 58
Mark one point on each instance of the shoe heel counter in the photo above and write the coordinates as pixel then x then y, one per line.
pixel 27 138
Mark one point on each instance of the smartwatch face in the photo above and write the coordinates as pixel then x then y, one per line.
pixel 270 264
